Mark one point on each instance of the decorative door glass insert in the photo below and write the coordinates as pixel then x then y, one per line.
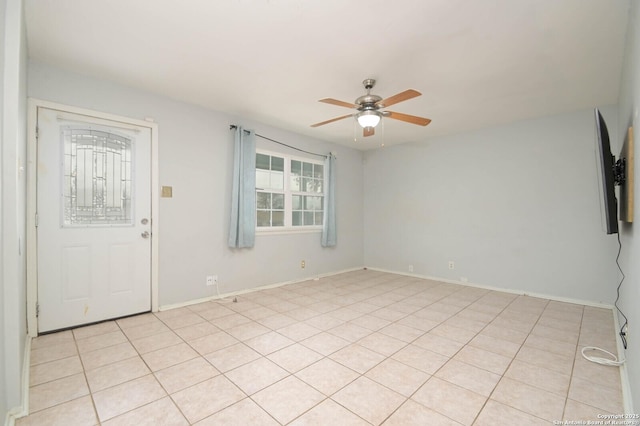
pixel 97 178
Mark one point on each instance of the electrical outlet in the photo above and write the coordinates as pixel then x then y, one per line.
pixel 464 279
pixel 303 264
pixel 452 265
pixel 410 268
pixel 210 280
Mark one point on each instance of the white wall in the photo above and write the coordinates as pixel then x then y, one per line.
pixel 3 381
pixel 629 115
pixel 514 207
pixel 195 156
pixel 12 205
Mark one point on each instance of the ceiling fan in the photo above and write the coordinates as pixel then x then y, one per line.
pixel 368 106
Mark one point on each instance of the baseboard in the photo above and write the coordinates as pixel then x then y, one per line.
pixel 625 385
pixel 253 289
pixel 23 409
pixel 504 290
pixel 426 277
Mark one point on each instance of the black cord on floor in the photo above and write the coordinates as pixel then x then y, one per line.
pixel 623 329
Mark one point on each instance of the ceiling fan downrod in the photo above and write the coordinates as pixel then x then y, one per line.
pixel 368 102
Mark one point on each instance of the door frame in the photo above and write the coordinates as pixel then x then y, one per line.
pixel 32 166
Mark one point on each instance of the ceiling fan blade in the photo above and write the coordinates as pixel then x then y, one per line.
pixel 337 102
pixel 368 131
pixel 421 121
pixel 322 123
pixel 402 96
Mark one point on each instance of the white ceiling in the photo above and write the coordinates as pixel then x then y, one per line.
pixel 478 63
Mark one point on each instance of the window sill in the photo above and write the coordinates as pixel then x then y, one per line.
pixel 288 230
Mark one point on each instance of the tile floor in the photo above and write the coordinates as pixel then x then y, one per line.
pixel 357 348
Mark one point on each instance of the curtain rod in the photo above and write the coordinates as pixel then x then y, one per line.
pixel 233 126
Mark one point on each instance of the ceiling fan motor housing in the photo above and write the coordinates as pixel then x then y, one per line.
pixel 368 102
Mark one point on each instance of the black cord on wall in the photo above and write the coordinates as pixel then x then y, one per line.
pixel 623 328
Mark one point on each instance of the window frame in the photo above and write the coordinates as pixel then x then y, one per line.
pixel 288 227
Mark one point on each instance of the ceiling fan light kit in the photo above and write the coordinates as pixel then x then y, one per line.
pixel 368 106
pixel 368 118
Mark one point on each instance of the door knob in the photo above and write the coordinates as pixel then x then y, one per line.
pixel 145 234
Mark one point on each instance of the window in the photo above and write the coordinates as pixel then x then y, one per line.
pixel 289 192
pixel 270 190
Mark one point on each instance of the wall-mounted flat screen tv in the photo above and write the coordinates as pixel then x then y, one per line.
pixel 606 176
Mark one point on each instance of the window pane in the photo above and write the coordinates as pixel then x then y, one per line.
pixel 312 185
pixel 263 200
pixel 263 179
pixel 312 203
pixel 264 218
pixel 278 218
pixel 277 163
pixel 296 168
pixel 297 218
pixel 278 201
pixel 319 186
pixel 277 180
pixel 318 171
pixel 295 183
pixel 308 218
pixel 318 218
pixel 262 161
pixel 296 202
pixel 307 169
pixel 306 184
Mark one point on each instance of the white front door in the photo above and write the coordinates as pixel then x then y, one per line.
pixel 93 219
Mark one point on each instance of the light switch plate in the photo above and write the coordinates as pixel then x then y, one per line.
pixel 167 191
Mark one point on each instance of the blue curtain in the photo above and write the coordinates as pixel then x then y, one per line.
pixel 242 226
pixel 329 219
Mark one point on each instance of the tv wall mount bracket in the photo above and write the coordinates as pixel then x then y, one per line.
pixel 619 171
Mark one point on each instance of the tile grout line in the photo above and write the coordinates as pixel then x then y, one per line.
pixel 371 295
